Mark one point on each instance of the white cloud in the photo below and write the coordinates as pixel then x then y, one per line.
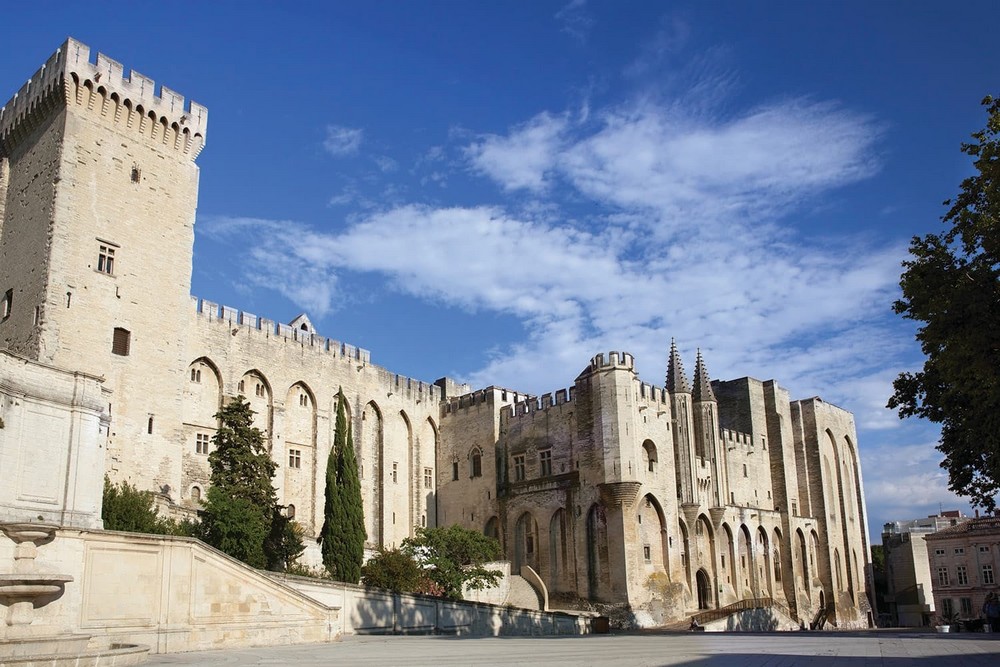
pixel 523 158
pixel 341 141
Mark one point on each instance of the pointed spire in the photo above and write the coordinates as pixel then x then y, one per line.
pixel 702 385
pixel 677 381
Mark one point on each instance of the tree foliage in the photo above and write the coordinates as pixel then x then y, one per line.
pixel 394 569
pixel 342 539
pixel 455 557
pixel 127 508
pixel 242 517
pixel 951 285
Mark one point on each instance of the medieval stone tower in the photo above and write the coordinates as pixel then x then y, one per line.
pixel 98 189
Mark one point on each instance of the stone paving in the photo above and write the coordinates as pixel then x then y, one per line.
pixel 826 649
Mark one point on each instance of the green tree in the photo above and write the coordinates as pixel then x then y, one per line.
pixel 127 508
pixel 878 558
pixel 951 285
pixel 283 544
pixel 342 538
pixel 455 557
pixel 241 502
pixel 394 569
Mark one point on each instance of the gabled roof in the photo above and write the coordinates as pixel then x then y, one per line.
pixel 302 323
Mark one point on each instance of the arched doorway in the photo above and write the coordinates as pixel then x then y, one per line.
pixel 704 590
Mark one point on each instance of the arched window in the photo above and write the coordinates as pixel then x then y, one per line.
pixel 477 463
pixel 290 511
pixel 649 453
pixel 196 494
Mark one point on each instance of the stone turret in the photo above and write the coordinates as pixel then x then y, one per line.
pixel 702 384
pixel 680 405
pixel 676 378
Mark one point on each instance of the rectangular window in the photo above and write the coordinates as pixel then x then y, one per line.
pixel 454 470
pixel 106 260
pixel 959 551
pixel 942 573
pixel 948 607
pixel 395 472
pixel 647 553
pixel 966 604
pixel 201 442
pixel 939 552
pixel 984 549
pixel 6 304
pixel 477 464
pixel 294 458
pixel 121 342
pixel 795 509
pixel 519 467
pixel 428 478
pixel 962 575
pixel 545 462
pixel 988 574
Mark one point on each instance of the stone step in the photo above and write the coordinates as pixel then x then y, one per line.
pixel 522 594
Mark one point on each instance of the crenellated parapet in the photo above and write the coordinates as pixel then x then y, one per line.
pixel 489 396
pixel 613 360
pixel 243 321
pixel 237 321
pixel 132 102
pixel 734 439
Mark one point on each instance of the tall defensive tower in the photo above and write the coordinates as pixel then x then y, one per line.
pixel 98 190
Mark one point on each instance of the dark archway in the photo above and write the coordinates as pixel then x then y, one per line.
pixel 704 589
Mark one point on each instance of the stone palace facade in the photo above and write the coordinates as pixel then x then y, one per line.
pixel 673 499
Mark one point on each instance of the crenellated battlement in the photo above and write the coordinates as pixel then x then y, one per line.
pixel 214 312
pixel 733 439
pixel 612 360
pixel 69 74
pixel 532 404
pixel 488 396
pixel 253 325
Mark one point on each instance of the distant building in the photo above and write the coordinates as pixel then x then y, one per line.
pixel 907 571
pixel 964 563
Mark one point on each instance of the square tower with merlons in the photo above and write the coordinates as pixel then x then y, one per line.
pixel 98 191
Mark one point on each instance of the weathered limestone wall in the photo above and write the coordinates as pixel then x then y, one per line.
pixel 834 475
pixel 394 418
pixel 470 428
pixel 52 435
pixel 172 594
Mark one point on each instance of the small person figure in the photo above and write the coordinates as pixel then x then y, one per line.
pixel 991 610
pixel 694 625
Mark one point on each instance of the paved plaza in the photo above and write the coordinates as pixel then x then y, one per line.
pixel 826 649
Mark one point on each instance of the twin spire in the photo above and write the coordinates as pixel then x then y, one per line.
pixel 677 380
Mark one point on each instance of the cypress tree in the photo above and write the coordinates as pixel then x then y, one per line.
pixel 343 536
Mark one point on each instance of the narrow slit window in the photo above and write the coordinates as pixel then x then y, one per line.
pixel 6 304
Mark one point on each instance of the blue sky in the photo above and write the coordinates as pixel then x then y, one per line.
pixel 498 191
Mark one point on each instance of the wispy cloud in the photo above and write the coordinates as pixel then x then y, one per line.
pixel 341 141
pixel 575 20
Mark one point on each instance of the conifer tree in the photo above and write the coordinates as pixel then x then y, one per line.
pixel 241 502
pixel 343 536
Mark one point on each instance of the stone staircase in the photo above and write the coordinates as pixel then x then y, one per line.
pixel 522 594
